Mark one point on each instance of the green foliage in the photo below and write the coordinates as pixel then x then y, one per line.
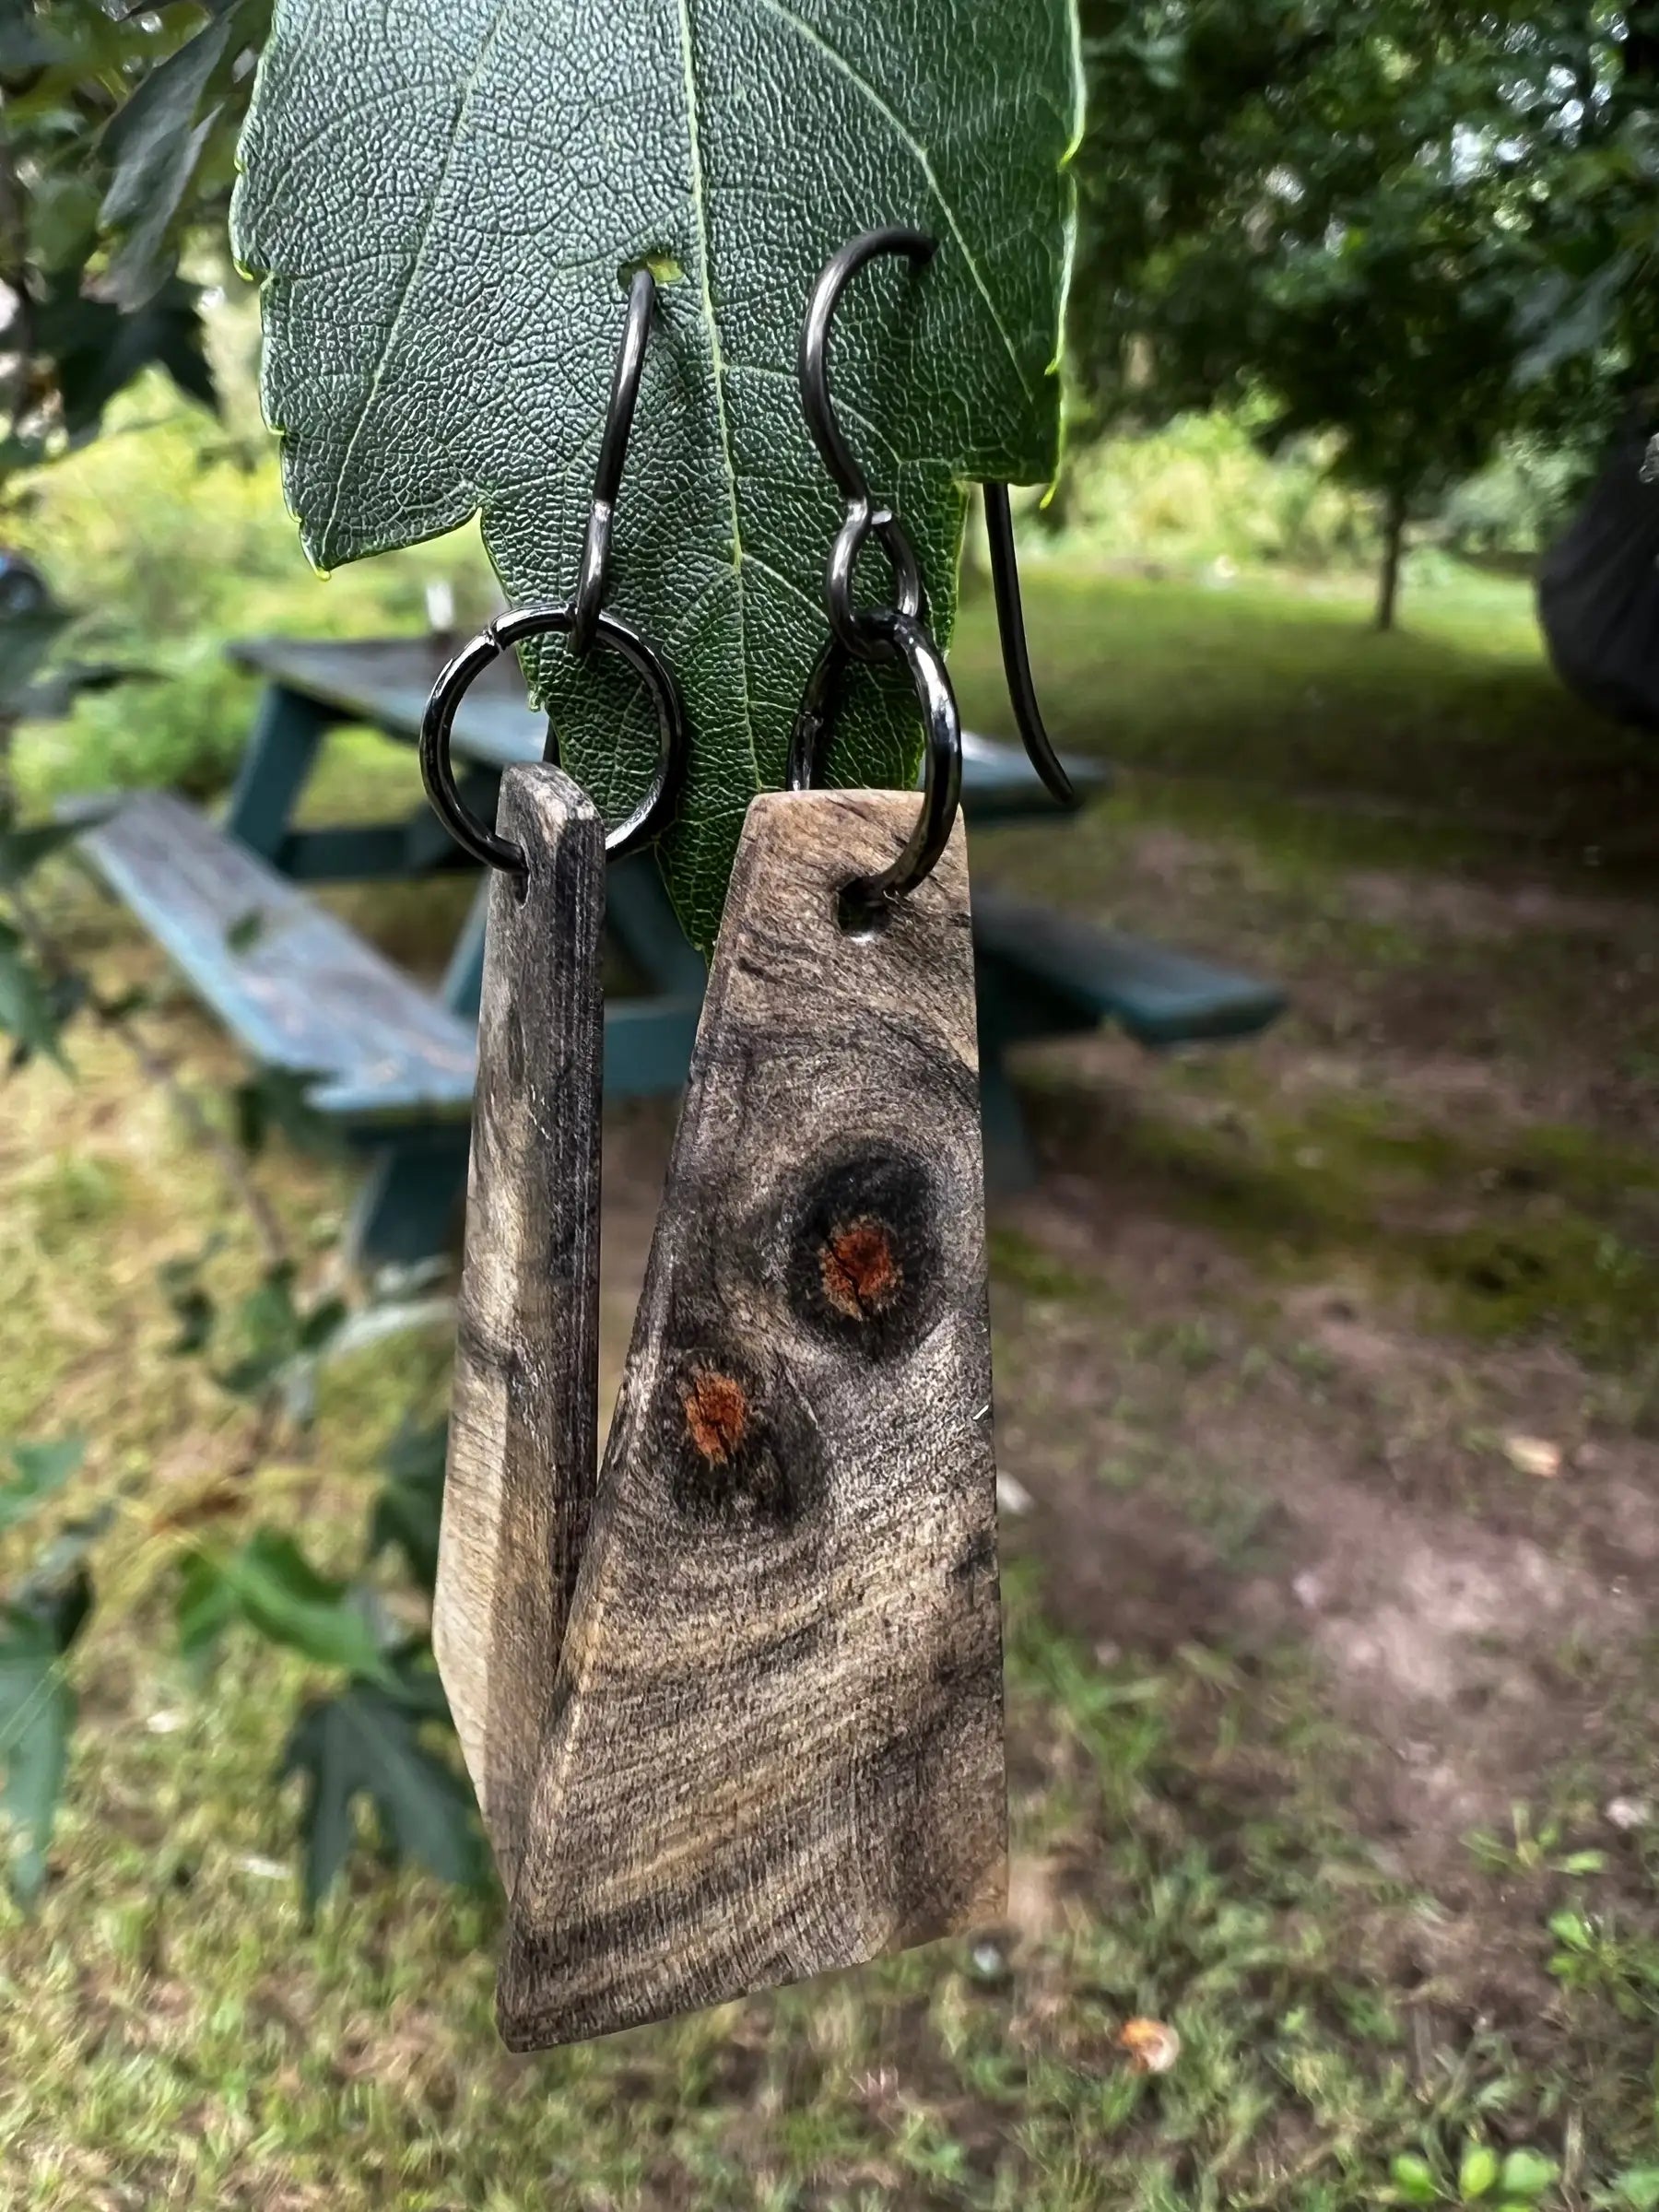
pixel 1513 2183
pixel 37 1626
pixel 1594 1955
pixel 40 1470
pixel 271 1588
pixel 1372 214
pixel 368 1740
pixel 169 152
pixel 407 1511
pixel 172 528
pixel 373 218
pixel 29 1014
pixel 282 1338
pixel 366 1744
pixel 1200 490
pixel 117 135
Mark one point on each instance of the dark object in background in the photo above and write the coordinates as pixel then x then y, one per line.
pixel 1598 589
pixel 23 591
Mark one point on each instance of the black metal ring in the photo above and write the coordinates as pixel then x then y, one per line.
pixel 458 677
pixel 595 571
pixel 863 523
pixel 942 785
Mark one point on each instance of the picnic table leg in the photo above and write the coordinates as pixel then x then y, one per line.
pixel 1010 1157
pixel 409 1201
pixel 462 981
pixel 407 1205
pixel 281 754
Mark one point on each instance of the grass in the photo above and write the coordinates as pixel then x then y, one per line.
pixel 1196 1832
pixel 1268 690
pixel 1562 1239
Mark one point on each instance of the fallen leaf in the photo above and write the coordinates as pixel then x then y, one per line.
pixel 1533 1456
pixel 1153 2048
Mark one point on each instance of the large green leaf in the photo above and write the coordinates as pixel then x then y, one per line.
pixel 446 194
pixel 365 1743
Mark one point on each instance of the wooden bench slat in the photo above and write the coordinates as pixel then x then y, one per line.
pixel 290 980
pixel 1160 996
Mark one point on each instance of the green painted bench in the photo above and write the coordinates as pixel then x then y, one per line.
pixel 392 1064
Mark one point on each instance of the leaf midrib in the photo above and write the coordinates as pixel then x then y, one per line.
pixel 716 363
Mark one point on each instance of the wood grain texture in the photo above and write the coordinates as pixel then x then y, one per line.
pixel 524 1413
pixel 775 1743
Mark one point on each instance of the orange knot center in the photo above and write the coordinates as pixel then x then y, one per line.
pixel 860 1269
pixel 717 1413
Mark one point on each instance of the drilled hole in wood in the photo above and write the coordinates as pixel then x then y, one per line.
pixel 859 916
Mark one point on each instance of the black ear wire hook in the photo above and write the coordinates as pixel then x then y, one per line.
pixel 864 519
pixel 595 572
pixel 1017 658
pixel 584 623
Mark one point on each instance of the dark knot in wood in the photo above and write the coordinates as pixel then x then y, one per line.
pixel 717 1413
pixel 864 1251
pixel 860 1269
pixel 740 1456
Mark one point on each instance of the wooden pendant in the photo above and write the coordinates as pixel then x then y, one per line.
pixel 523 1422
pixel 775 1739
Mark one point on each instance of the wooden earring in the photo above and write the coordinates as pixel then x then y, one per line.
pixel 525 1407
pixel 523 1422
pixel 774 1739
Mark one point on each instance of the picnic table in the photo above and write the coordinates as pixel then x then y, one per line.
pixel 391 1064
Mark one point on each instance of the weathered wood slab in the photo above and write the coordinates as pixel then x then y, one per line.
pixel 523 1420
pixel 776 1735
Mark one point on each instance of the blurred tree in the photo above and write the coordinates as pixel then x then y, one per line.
pixel 1417 228
pixel 117 141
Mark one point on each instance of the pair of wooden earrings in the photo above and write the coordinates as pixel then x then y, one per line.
pixel 732 1699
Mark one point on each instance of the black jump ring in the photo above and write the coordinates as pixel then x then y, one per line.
pixel 863 523
pixel 904 637
pixel 458 677
pixel 613 454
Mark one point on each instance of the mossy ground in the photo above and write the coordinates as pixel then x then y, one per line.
pixel 1286 1621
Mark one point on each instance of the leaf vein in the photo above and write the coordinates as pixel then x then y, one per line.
pixel 918 153
pixel 416 262
pixel 717 362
